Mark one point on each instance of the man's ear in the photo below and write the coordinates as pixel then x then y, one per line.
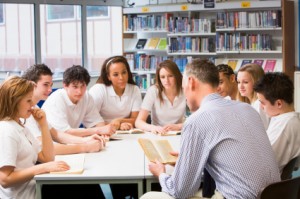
pixel 192 83
pixel 279 103
pixel 64 85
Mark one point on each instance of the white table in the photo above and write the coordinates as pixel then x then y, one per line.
pixel 121 162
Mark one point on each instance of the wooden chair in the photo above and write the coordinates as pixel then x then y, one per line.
pixel 288 169
pixel 286 189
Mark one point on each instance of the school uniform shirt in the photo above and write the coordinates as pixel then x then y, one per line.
pixel 111 106
pixel 284 135
pixel 165 112
pixel 18 148
pixel 266 120
pixel 228 139
pixel 63 114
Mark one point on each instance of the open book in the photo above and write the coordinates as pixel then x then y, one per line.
pixel 75 161
pixel 131 131
pixel 171 133
pixel 158 150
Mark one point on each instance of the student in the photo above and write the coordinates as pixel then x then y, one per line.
pixel 42 76
pixel 165 100
pixel 19 150
pixel 227 85
pixel 71 106
pixel 275 91
pixel 115 94
pixel 247 76
pixel 224 136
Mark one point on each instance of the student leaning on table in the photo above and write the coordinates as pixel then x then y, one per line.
pixel 19 150
pixel 71 106
pixel 165 100
pixel 42 76
pixel 225 137
pixel 275 91
pixel 115 94
pixel 247 75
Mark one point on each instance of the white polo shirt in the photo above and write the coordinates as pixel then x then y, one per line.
pixel 18 148
pixel 34 127
pixel 284 135
pixel 111 106
pixel 164 113
pixel 263 115
pixel 62 114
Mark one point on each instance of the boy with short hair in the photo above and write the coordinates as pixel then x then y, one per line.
pixel 71 106
pixel 227 82
pixel 275 92
pixel 42 76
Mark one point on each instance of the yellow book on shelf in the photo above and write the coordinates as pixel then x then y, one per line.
pixel 152 43
pixel 75 161
pixel 158 150
pixel 131 131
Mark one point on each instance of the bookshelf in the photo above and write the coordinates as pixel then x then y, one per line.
pixel 231 32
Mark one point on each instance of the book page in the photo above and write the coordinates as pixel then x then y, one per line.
pixel 75 161
pixel 164 148
pixel 149 150
pixel 131 131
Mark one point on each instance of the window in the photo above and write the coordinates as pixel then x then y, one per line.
pixel 97 12
pixel 17 49
pixel 59 40
pixel 61 43
pixel 60 12
pixel 1 14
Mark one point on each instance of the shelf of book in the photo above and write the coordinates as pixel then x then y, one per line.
pixel 248 29
pixel 192 54
pixel 261 30
pixel 191 34
pixel 249 52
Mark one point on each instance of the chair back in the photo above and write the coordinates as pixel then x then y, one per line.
pixel 286 189
pixel 288 169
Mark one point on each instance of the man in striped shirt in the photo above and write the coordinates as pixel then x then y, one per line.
pixel 223 136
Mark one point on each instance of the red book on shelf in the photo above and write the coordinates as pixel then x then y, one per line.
pixel 270 65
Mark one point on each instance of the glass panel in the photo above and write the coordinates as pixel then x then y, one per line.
pixel 61 43
pixel 104 36
pixel 17 50
pixel 60 12
pixel 1 14
pixel 96 11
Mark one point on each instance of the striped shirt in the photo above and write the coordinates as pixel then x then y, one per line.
pixel 228 139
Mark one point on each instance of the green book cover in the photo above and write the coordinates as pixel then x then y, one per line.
pixel 162 45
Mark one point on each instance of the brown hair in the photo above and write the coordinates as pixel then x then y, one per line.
pixel 173 68
pixel 103 78
pixel 12 91
pixel 256 73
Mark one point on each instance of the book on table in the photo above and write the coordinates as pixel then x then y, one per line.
pixel 131 131
pixel 171 133
pixel 158 150
pixel 75 161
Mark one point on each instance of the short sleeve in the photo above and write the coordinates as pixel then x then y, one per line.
pixel 149 99
pixel 92 116
pixel 137 99
pixel 56 111
pixel 8 148
pixel 97 92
